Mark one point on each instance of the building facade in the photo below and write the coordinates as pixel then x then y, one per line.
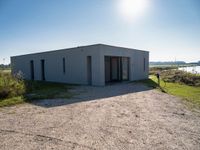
pixel 90 65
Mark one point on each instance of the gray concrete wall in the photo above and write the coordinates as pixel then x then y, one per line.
pixel 76 64
pixel 75 60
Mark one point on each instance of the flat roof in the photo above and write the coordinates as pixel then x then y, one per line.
pixel 50 51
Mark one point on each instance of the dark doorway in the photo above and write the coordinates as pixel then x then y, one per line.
pixel 89 70
pixel 107 69
pixel 32 70
pixel 43 69
pixel 116 69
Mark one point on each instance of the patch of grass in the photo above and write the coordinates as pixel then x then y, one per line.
pixel 149 82
pixel 5 70
pixel 11 101
pixel 46 90
pixel 189 93
pixel 14 90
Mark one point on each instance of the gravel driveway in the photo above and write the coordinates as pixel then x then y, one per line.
pixel 122 116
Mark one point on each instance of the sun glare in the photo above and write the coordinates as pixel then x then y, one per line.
pixel 131 9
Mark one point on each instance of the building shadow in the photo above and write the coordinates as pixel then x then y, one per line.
pixel 91 93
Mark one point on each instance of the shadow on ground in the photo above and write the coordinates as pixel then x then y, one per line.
pixel 90 93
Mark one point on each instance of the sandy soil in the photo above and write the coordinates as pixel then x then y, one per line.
pixel 122 116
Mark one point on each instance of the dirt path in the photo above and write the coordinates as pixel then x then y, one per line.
pixel 123 116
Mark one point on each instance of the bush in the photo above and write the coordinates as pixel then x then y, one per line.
pixel 178 76
pixel 11 86
pixel 4 93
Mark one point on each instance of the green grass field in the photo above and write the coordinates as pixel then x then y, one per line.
pixel 189 93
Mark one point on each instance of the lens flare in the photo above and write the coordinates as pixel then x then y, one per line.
pixel 131 9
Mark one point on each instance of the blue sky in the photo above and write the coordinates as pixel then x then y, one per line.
pixel 169 29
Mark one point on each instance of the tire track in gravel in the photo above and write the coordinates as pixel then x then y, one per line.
pixel 48 138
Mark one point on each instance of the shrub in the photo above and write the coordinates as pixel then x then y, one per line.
pixel 4 93
pixel 11 86
pixel 178 76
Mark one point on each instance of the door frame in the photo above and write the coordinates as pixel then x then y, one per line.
pixel 119 69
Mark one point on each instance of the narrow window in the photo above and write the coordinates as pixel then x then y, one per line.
pixel 89 70
pixel 144 64
pixel 64 65
pixel 32 69
pixel 43 69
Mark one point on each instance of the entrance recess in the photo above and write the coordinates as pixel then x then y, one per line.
pixel 116 68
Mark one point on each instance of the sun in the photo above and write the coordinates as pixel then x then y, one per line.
pixel 131 9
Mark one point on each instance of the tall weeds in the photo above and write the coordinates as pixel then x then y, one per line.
pixel 172 74
pixel 11 86
pixel 178 76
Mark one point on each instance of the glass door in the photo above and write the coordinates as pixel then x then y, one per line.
pixel 115 68
pixel 125 68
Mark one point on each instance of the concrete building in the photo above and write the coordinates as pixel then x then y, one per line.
pixel 93 65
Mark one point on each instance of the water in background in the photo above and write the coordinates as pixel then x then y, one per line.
pixel 194 69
